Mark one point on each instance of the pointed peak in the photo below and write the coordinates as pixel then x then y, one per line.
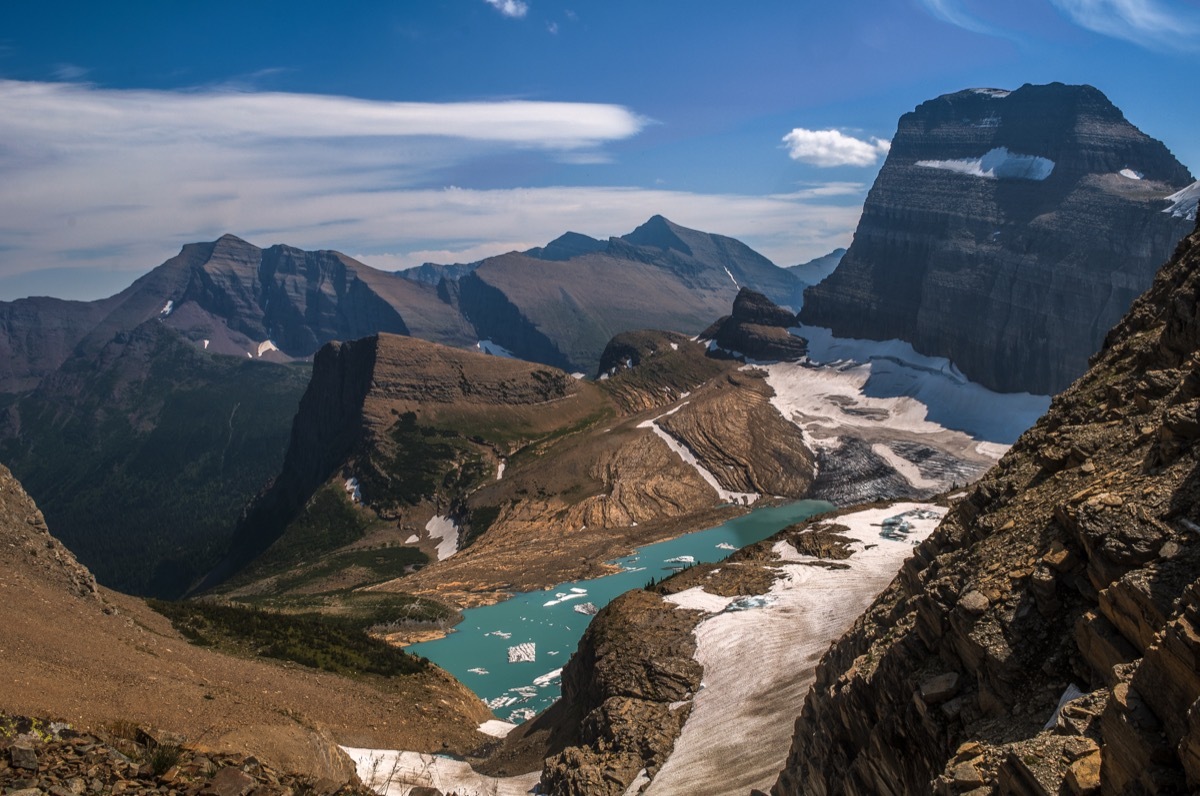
pixel 659 233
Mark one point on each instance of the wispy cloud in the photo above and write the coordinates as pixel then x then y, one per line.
pixel 69 72
pixel 510 8
pixel 96 180
pixel 552 27
pixel 828 148
pixel 952 12
pixel 1148 23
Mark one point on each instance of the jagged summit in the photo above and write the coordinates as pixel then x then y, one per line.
pixel 758 329
pixel 1007 231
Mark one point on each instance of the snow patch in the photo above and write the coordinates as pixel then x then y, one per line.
pixel 206 345
pixel 579 376
pixel 496 728
pixel 412 539
pixel 1183 203
pixel 998 93
pixel 674 346
pixel 444 530
pixel 353 490
pixel 1131 174
pixel 697 599
pixel 265 346
pixel 488 347
pixel 394 773
pixel 167 308
pixel 731 279
pixel 500 470
pixel 997 164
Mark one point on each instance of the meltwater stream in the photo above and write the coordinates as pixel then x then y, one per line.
pixel 511 654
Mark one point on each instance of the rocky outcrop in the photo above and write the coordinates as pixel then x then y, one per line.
pixel 1007 231
pixel 633 666
pixel 39 756
pixel 648 369
pixel 1045 638
pixel 758 329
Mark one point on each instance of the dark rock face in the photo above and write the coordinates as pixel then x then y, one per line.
pixel 1070 572
pixel 1008 232
pixel 757 329
pixel 633 662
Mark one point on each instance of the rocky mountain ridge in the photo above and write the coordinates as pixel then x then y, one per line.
pixel 1007 231
pixel 1044 639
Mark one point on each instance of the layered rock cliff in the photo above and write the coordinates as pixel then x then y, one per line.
pixel 1007 231
pixel 1045 638
pixel 758 329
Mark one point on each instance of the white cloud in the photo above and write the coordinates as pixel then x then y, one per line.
pixel 100 181
pixel 552 27
pixel 1148 23
pixel 833 148
pixel 949 11
pixel 510 8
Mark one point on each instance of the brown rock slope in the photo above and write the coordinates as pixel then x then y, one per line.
pixel 89 656
pixel 1075 561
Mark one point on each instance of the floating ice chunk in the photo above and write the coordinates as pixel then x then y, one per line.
pixel 522 714
pixel 681 560
pixel 443 529
pixel 1184 202
pixel 997 164
pixel 523 653
pixel 726 546
pixel 578 590
pixel 1131 174
pixel 587 609
pixel 548 678
pixel 499 634
pixel 562 597
pixel 478 670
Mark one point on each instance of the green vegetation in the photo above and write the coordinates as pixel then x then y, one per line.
pixel 143 468
pixel 306 639
pixel 420 462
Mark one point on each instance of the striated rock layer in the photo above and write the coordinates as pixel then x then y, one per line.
pixel 1007 231
pixel 1070 572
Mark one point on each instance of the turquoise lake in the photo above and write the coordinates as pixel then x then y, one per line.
pixel 477 651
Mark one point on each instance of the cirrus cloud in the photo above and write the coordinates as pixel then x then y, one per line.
pixel 1148 23
pixel 828 148
pixel 101 181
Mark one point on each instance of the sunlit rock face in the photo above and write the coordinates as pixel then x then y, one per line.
pixel 1007 231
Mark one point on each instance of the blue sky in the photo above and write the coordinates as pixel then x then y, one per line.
pixel 449 130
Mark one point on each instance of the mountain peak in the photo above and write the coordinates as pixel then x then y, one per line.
pixel 659 233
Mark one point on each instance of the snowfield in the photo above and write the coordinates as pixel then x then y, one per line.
pixel 446 532
pixel 760 661
pixel 396 773
pixel 997 164
pixel 1183 203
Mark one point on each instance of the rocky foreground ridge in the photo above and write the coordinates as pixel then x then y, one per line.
pixel 1007 231
pixel 1046 638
